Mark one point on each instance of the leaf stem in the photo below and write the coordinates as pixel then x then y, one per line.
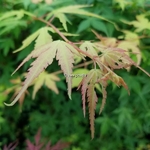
pixel 77 66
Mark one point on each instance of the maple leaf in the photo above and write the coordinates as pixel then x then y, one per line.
pixel 88 85
pixel 84 84
pixel 89 47
pixel 116 58
pixel 142 23
pixel 92 100
pixel 131 43
pixel 43 38
pixel 44 55
pixel 115 78
pixel 76 9
pixel 131 46
pixel 48 80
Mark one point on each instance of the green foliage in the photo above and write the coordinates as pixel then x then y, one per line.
pixel 84 35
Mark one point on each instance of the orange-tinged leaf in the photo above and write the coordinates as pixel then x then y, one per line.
pixel 116 79
pixel 92 100
pixel 131 46
pixel 116 58
pixel 104 93
pixel 84 85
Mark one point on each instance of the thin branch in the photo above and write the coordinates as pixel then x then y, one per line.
pixel 77 66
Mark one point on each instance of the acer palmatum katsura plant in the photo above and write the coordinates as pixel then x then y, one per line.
pixel 106 56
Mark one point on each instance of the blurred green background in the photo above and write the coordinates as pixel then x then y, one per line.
pixel 125 121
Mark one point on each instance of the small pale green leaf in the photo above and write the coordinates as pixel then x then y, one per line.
pixel 84 25
pixel 43 38
pixel 63 19
pixel 13 14
pixel 28 41
pixel 141 23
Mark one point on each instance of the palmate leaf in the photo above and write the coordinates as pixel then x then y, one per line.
pixel 129 45
pixel 41 63
pixel 76 9
pixel 44 55
pixel 89 47
pixel 88 85
pixel 115 58
pixel 142 23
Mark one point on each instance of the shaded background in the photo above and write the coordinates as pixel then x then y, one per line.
pixel 125 121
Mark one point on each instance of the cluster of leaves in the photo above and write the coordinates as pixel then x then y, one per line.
pixel 107 54
pixel 106 58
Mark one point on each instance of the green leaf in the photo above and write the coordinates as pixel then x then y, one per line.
pixel 99 25
pixel 15 14
pixel 43 38
pixel 85 24
pixel 8 26
pixel 6 45
pixel 76 9
pixel 142 23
